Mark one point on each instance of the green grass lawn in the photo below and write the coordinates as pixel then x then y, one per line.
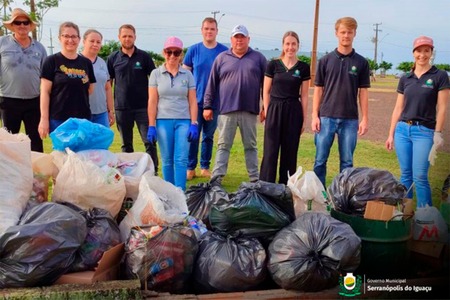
pixel 367 154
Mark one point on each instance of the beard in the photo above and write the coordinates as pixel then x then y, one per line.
pixel 128 47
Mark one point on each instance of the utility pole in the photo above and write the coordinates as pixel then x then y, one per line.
pixel 375 40
pixel 33 15
pixel 215 13
pixel 51 43
pixel 314 47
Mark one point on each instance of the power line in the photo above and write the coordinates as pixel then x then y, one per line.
pixel 215 12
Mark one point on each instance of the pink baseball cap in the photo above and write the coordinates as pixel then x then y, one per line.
pixel 422 41
pixel 173 42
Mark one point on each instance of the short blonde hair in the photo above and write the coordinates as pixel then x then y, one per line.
pixel 348 22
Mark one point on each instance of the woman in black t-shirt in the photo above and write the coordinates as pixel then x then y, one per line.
pixel 67 79
pixel 285 96
pixel 418 119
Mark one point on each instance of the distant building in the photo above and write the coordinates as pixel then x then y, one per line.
pixel 275 53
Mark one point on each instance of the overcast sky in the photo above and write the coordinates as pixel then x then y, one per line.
pixel 400 22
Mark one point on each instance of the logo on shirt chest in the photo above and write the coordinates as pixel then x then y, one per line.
pixel 353 70
pixel 296 74
pixel 428 84
pixel 138 65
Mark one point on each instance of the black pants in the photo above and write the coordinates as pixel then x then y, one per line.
pixel 125 120
pixel 14 111
pixel 283 125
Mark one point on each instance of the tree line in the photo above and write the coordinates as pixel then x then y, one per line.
pixel 38 9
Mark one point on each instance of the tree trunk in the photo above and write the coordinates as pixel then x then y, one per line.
pixel 33 13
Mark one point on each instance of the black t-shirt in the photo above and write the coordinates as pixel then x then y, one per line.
pixel 286 83
pixel 421 95
pixel 69 96
pixel 341 76
pixel 130 76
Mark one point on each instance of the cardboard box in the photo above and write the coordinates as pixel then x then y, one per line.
pixel 433 249
pixel 377 210
pixel 107 269
pixel 408 207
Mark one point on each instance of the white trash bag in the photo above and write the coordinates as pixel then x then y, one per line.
pixel 132 166
pixel 159 203
pixel 307 192
pixel 16 177
pixel 86 185
pixel 429 225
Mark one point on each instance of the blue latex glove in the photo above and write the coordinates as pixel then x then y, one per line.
pixel 151 134
pixel 193 132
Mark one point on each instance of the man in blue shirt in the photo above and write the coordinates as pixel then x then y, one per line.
pixel 199 59
pixel 129 69
pixel 237 75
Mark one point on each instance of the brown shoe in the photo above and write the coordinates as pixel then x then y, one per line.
pixel 190 174
pixel 205 173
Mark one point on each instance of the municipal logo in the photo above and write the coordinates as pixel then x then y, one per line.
pixel 350 285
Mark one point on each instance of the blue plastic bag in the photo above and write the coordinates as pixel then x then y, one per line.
pixel 81 134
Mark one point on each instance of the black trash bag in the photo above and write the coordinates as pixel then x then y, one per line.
pixel 311 253
pixel 228 264
pixel 257 210
pixel 200 197
pixel 42 247
pixel 162 258
pixel 353 187
pixel 103 233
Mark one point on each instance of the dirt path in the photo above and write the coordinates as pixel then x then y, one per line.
pixel 381 105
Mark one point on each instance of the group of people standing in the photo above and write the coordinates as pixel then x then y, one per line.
pixel 183 101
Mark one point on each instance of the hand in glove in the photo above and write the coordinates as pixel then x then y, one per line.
pixel 151 134
pixel 438 142
pixel 193 132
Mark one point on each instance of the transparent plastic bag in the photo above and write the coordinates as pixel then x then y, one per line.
pixel 87 185
pixel 16 177
pixel 308 192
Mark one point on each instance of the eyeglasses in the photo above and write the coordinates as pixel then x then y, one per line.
pixel 17 23
pixel 175 53
pixel 69 37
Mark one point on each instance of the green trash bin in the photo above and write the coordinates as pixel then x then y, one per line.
pixel 384 245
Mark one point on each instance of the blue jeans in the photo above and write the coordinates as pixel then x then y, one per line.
pixel 174 148
pixel 102 119
pixel 53 124
pixel 208 128
pixel 347 132
pixel 413 145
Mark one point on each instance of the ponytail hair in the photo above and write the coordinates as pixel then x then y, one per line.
pixel 289 33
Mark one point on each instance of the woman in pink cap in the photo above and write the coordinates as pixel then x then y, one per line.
pixel 418 120
pixel 172 112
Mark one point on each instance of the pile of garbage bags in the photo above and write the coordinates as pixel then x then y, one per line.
pixel 205 240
